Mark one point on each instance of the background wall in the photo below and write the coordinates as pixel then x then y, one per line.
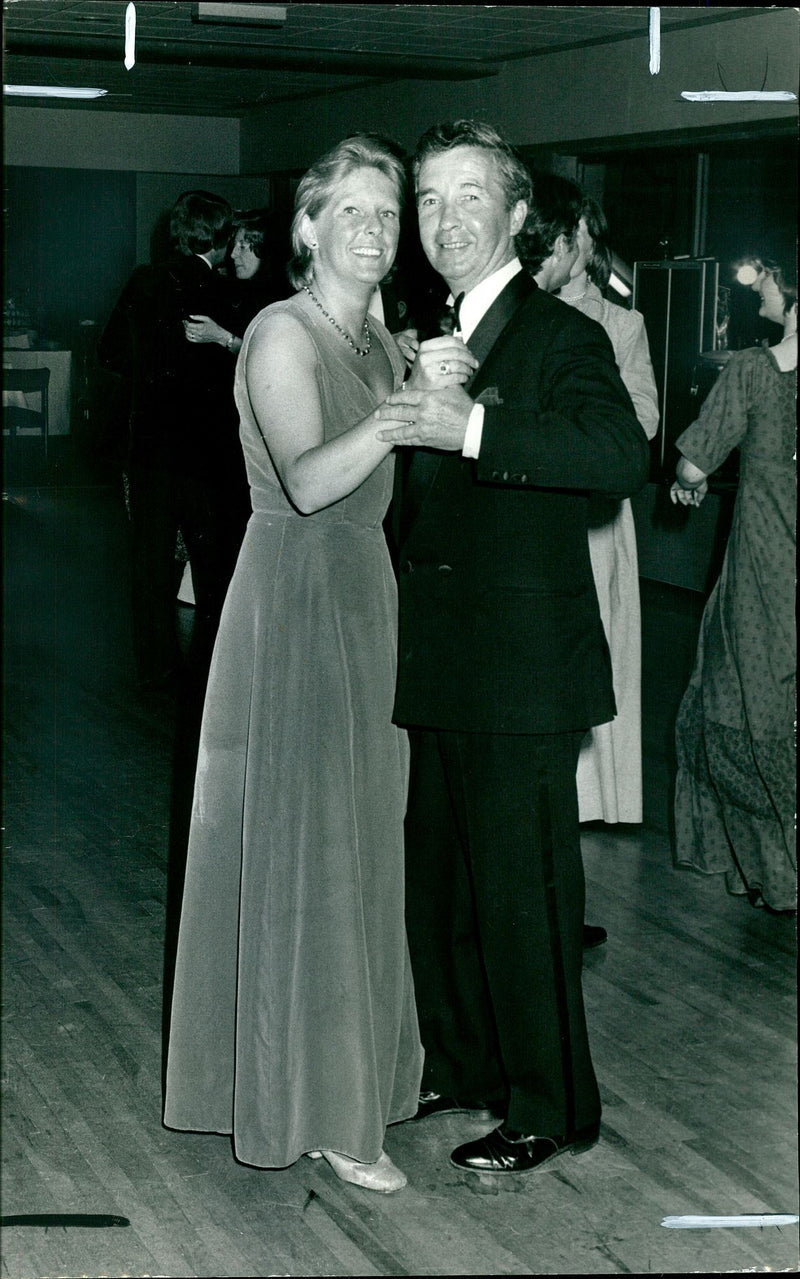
pixel 69 244
pixel 45 137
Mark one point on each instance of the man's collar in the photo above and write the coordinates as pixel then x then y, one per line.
pixel 477 302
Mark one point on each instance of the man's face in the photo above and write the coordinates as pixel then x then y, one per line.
pixel 465 225
pixel 217 256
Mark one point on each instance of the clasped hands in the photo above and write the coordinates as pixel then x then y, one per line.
pixel 688 496
pixel 201 328
pixel 432 410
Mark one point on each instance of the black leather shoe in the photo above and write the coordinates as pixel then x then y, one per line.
pixel 505 1151
pixel 593 935
pixel 433 1103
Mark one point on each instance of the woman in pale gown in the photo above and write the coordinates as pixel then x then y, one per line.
pixel 610 763
pixel 293 1020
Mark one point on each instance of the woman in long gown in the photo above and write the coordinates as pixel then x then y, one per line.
pixel 293 1019
pixel 736 783
pixel 610 762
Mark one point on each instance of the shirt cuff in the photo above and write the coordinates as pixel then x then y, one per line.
pixel 472 440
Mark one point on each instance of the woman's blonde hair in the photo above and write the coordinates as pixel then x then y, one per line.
pixel 318 187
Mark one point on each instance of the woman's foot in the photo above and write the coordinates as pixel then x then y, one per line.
pixel 382 1175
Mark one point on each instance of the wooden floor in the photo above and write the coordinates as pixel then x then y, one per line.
pixel 691 1004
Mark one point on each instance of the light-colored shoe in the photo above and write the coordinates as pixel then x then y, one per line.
pixel 381 1176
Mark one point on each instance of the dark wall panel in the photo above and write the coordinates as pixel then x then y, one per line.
pixel 70 244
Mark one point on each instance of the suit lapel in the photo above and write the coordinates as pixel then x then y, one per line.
pixel 497 317
pixel 421 467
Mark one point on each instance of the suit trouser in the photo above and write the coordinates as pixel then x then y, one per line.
pixel 494 909
pixel 213 525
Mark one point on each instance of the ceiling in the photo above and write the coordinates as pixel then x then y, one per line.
pixel 189 67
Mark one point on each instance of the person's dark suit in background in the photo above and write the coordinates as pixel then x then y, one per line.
pixel 503 662
pixel 184 465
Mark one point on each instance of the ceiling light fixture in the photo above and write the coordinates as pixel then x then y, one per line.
pixel 129 61
pixel 262 15
pixel 748 273
pixel 51 91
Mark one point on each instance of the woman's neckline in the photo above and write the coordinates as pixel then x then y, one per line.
pixel 771 352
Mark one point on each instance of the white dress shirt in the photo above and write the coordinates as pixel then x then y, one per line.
pixel 473 307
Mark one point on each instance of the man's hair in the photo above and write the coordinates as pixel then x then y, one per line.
pixel 556 210
pixel 514 176
pixel 199 222
pixel 319 184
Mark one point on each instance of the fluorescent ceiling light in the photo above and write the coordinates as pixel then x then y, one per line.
pixel 51 91
pixel 257 14
pixel 619 286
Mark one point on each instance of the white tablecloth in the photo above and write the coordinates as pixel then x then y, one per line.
pixel 60 365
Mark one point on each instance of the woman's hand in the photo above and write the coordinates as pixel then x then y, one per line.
pixel 442 362
pixel 408 343
pixel 690 485
pixel 688 496
pixel 201 328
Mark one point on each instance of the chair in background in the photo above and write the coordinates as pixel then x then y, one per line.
pixel 24 427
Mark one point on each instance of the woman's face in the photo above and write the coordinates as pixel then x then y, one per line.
pixel 771 307
pixel 245 260
pixel 585 245
pixel 356 233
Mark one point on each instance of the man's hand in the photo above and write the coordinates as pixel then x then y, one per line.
pixel 426 419
pixel 441 362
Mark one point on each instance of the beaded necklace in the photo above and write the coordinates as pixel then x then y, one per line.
pixel 367 334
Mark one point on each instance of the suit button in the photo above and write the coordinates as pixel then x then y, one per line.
pixel 406 567
pixel 445 568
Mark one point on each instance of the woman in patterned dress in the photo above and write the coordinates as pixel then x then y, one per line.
pixel 735 791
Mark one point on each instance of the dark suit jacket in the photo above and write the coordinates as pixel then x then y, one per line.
pixel 500 629
pixel 181 393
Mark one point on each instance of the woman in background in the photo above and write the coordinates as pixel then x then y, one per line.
pixel 736 785
pixel 256 282
pixel 255 286
pixel 610 762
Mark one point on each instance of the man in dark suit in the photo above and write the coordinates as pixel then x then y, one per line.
pixel 503 663
pixel 184 462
